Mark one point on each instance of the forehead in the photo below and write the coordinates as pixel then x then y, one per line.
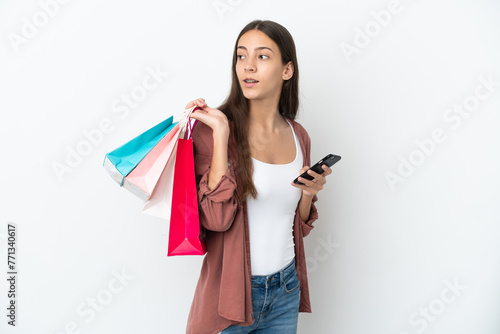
pixel 256 38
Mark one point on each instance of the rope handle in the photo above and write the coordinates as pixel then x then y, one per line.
pixel 184 119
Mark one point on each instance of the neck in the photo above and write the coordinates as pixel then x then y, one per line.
pixel 265 116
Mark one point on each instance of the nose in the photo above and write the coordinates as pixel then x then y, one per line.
pixel 249 66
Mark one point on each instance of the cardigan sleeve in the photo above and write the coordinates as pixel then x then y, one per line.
pixel 217 206
pixel 307 226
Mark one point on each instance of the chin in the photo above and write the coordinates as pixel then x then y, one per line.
pixel 250 95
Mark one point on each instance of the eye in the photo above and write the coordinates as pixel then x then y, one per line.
pixel 264 56
pixel 238 56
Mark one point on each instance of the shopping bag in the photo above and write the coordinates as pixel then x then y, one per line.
pixel 159 203
pixel 121 161
pixel 143 179
pixel 184 231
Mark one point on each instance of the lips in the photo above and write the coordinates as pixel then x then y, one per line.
pixel 250 82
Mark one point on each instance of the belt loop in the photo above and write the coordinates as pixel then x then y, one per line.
pixel 282 279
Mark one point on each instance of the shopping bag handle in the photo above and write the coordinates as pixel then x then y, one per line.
pixel 184 119
pixel 189 122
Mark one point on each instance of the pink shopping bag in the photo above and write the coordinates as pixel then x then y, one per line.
pixel 144 178
pixel 160 202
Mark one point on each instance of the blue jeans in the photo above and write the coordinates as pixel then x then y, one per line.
pixel 275 300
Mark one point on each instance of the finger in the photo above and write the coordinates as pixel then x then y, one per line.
pixel 313 173
pixel 207 109
pixel 200 115
pixel 310 186
pixel 196 114
pixel 300 186
pixel 200 110
pixel 318 178
pixel 196 103
pixel 200 103
pixel 327 169
pixel 307 183
pixel 191 104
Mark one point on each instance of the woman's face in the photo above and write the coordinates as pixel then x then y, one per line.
pixel 259 58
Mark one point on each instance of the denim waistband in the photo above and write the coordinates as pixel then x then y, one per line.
pixel 275 278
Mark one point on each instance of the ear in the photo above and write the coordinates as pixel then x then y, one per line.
pixel 288 71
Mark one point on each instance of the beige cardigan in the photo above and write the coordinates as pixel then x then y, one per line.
pixel 223 294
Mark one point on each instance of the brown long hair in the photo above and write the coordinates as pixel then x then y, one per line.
pixel 236 107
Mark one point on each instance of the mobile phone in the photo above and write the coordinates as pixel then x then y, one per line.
pixel 329 160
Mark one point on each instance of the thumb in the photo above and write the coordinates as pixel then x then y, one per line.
pixel 198 115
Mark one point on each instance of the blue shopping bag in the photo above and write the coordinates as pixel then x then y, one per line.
pixel 121 161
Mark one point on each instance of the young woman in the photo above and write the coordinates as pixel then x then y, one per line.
pixel 253 217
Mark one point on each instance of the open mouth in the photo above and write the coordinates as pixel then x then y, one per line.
pixel 250 81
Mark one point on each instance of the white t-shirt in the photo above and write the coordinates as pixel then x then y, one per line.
pixel 270 217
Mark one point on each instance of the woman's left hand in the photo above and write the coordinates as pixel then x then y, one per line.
pixel 311 187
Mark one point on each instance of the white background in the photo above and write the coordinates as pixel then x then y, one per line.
pixel 389 251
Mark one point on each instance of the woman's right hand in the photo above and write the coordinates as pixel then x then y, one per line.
pixel 214 118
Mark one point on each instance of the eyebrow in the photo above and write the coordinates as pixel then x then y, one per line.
pixel 257 48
